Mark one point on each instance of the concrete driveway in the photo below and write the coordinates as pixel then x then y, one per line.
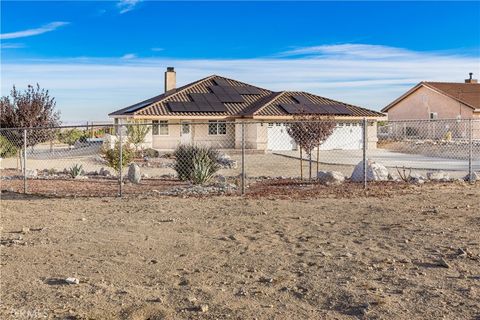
pixel 389 159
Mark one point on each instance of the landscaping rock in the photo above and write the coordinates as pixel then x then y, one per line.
pixel 226 162
pixel 375 172
pixel 330 177
pixel 31 173
pixel 417 178
pixel 134 175
pixel 104 172
pixel 475 177
pixel 72 281
pixel 438 176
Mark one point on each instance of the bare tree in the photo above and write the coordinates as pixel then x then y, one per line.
pixel 310 132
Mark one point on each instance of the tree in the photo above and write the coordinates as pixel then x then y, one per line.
pixel 309 132
pixel 70 137
pixel 136 133
pixel 112 156
pixel 29 109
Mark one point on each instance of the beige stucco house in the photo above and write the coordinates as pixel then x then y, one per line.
pixel 440 108
pixel 211 111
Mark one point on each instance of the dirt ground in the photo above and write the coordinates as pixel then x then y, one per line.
pixel 411 253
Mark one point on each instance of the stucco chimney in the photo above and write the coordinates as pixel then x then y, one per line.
pixel 470 79
pixel 170 79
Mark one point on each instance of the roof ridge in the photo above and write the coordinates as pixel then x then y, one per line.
pixel 276 95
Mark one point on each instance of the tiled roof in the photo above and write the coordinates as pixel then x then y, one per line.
pixel 467 93
pixel 266 103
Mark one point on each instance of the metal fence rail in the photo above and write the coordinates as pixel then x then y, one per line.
pixel 162 157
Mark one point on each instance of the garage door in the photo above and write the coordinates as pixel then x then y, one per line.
pixel 346 136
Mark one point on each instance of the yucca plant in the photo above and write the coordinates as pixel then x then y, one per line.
pixel 76 170
pixel 195 163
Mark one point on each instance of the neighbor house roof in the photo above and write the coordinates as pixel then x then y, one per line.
pixel 465 93
pixel 256 102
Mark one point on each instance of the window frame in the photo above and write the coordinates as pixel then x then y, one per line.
pixel 219 126
pixel 157 126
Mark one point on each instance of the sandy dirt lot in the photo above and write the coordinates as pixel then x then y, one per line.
pixel 407 254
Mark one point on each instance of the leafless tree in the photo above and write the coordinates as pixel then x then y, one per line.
pixel 310 132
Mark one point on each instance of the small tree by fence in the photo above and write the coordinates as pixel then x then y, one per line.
pixel 310 132
pixel 136 134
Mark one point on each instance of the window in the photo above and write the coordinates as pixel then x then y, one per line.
pixel 160 127
pixel 217 127
pixel 433 116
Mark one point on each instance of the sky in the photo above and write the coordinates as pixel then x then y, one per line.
pixel 96 57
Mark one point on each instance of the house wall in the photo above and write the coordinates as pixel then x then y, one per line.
pixel 255 135
pixel 419 104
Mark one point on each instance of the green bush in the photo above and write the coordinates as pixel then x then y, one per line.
pixel 7 149
pixel 76 170
pixel 112 156
pixel 194 163
pixel 71 136
pixel 151 153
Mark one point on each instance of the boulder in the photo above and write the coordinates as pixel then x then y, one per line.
pixel 31 173
pixel 438 176
pixel 330 177
pixel 375 172
pixel 475 177
pixel 417 178
pixel 134 174
pixel 104 172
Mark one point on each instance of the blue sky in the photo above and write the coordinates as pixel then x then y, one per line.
pixel 96 57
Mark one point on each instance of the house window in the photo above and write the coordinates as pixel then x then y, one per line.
pixel 217 127
pixel 433 116
pixel 160 128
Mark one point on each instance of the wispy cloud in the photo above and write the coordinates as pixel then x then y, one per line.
pixel 127 5
pixel 157 49
pixel 33 32
pixel 129 56
pixel 103 85
pixel 12 45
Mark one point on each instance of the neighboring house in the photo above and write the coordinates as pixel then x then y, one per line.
pixel 437 100
pixel 221 104
pixel 444 104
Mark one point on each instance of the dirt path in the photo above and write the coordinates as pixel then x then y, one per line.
pixel 169 258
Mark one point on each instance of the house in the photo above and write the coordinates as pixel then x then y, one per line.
pixel 437 100
pixel 210 111
pixel 440 108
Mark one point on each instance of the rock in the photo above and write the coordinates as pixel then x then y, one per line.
pixel 134 175
pixel 203 308
pixel 443 263
pixel 25 230
pixel 475 177
pixel 31 173
pixel 375 172
pixel 221 178
pixel 330 177
pixel 226 161
pixel 72 281
pixel 415 177
pixel 104 172
pixel 145 176
pixel 438 176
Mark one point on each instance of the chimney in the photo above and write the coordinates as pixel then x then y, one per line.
pixel 170 79
pixel 470 80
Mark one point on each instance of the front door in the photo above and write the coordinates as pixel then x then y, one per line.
pixel 185 133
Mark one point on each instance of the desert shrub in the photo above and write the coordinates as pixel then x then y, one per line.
pixel 112 156
pixel 71 136
pixel 151 153
pixel 76 170
pixel 448 136
pixel 194 163
pixel 7 148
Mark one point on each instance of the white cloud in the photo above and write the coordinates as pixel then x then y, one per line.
pixel 12 45
pixel 33 32
pixel 127 5
pixel 129 56
pixel 157 49
pixel 90 88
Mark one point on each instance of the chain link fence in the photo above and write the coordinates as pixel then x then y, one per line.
pixel 232 157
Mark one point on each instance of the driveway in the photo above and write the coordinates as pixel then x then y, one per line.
pixel 389 159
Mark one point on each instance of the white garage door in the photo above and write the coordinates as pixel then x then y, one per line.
pixel 346 136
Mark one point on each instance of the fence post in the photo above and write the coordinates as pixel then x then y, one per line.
pixel 364 156
pixel 25 161
pixel 470 151
pixel 120 156
pixel 243 159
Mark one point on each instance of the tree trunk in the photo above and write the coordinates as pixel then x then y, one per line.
pixel 301 164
